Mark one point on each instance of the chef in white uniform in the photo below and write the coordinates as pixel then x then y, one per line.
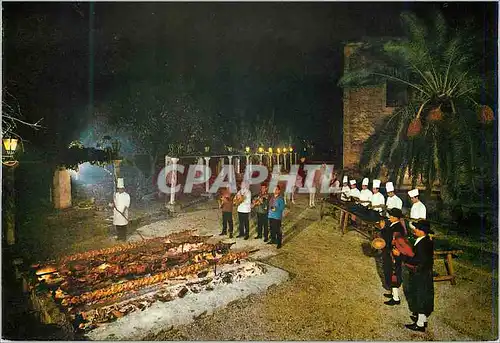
pixel 345 189
pixel 121 204
pixel 418 210
pixel 393 201
pixel 365 196
pixel 378 200
pixel 354 191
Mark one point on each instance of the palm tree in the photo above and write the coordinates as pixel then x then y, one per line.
pixel 443 133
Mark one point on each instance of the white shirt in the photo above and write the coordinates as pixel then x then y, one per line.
pixel 365 195
pixel 377 200
pixel 121 201
pixel 345 193
pixel 354 192
pixel 246 205
pixel 418 211
pixel 418 240
pixel 393 202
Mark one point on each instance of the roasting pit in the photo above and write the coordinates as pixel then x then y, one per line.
pixel 128 291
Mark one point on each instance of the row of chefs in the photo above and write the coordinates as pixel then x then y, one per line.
pixel 374 200
pixel 408 255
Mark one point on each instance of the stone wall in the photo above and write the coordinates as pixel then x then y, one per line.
pixel 364 109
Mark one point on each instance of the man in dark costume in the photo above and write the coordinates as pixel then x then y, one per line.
pixel 392 264
pixel 418 284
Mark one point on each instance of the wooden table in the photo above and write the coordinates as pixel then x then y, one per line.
pixel 448 262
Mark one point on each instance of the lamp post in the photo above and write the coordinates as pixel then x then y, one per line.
pixel 270 151
pixel 261 153
pixel 285 151
pixel 247 167
pixel 278 157
pixel 290 149
pixel 9 193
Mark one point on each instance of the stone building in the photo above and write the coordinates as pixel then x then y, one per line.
pixel 364 109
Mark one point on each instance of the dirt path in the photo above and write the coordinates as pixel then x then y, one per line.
pixel 336 294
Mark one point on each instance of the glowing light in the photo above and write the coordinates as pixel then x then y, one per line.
pixel 10 145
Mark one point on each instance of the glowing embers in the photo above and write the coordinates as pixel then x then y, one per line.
pixel 81 285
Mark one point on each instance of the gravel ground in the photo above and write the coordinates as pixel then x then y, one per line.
pixel 335 291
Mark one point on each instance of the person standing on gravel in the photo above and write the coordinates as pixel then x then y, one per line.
pixel 244 201
pixel 226 205
pixel 121 204
pixel 418 279
pixel 260 204
pixel 275 215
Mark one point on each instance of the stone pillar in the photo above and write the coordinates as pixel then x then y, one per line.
pixel 237 165
pixel 260 157
pixel 291 162
pixel 295 158
pixel 62 189
pixel 174 180
pixel 230 157
pixel 207 168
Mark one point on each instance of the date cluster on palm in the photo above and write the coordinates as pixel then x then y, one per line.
pixel 104 285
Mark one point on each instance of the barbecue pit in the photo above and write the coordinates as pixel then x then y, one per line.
pixel 98 290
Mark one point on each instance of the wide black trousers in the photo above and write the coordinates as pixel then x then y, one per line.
pixel 389 266
pixel 227 220
pixel 276 234
pixel 419 290
pixel 121 231
pixel 262 225
pixel 243 224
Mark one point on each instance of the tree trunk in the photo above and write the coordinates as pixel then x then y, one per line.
pixel 9 205
pixel 61 189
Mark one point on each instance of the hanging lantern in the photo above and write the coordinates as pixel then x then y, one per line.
pixel 414 127
pixel 435 114
pixel 486 114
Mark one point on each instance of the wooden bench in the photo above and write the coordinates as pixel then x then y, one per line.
pixel 448 262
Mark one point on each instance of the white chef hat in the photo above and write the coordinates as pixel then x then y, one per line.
pixel 119 183
pixel 413 193
pixel 345 180
pixel 389 187
pixel 365 181
pixel 352 182
pixel 376 183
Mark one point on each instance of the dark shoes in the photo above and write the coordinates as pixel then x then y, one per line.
pixel 246 237
pixel 389 295
pixel 239 236
pixel 230 235
pixel 258 237
pixel 392 302
pixel 279 246
pixel 222 233
pixel 265 239
pixel 415 327
pixel 415 318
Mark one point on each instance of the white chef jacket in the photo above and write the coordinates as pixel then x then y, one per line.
pixel 345 193
pixel 354 192
pixel 246 205
pixel 365 195
pixel 377 200
pixel 418 211
pixel 393 202
pixel 121 201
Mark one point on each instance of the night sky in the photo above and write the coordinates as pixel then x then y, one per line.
pixel 244 58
